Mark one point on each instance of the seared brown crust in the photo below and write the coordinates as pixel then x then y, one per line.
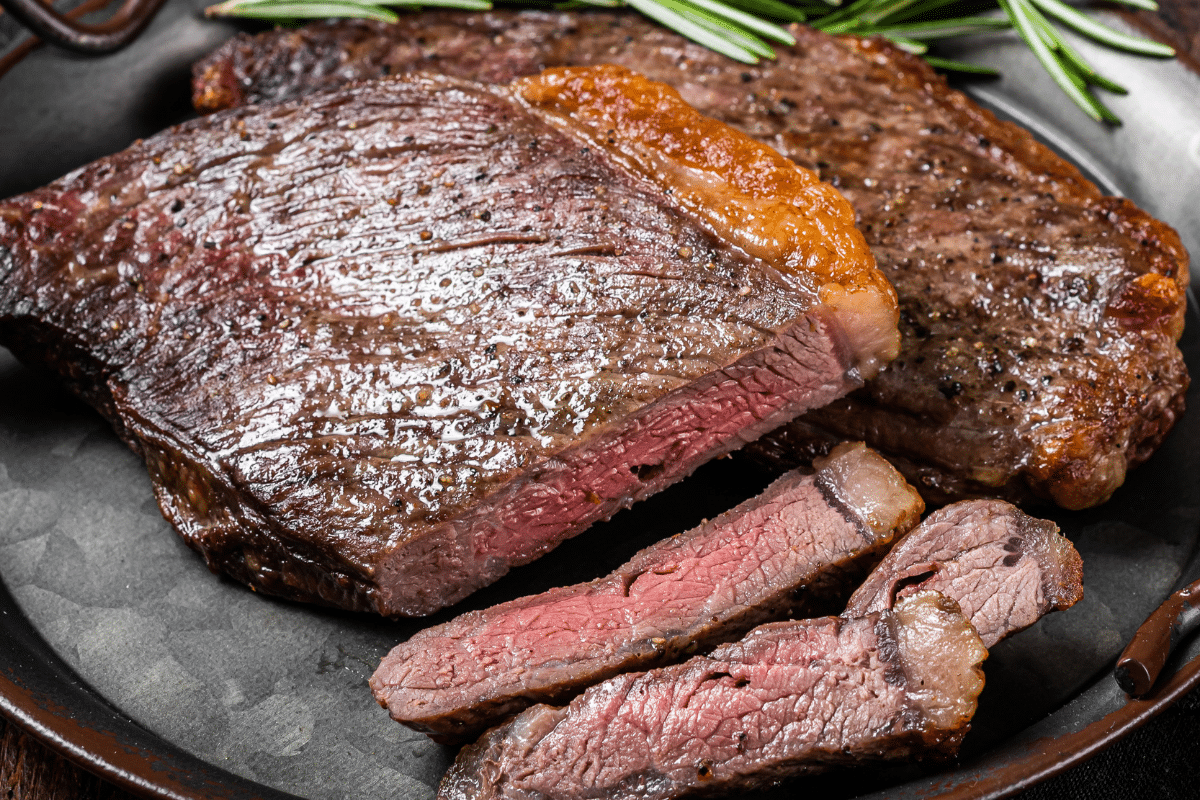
pixel 1038 317
pixel 379 346
pixel 1079 332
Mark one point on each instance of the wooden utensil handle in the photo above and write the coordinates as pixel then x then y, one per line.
pixel 51 26
pixel 1143 658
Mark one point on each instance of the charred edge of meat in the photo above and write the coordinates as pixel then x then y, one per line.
pixel 1004 568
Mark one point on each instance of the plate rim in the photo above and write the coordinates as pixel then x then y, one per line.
pixel 104 741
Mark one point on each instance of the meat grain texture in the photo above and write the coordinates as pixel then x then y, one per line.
pixel 790 698
pixel 1039 318
pixel 895 676
pixel 797 548
pixel 378 346
pixel 1004 568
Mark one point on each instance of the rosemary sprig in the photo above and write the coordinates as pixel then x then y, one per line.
pixel 938 29
pixel 1026 20
pixel 742 29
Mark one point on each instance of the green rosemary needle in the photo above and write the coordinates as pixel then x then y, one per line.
pixel 743 29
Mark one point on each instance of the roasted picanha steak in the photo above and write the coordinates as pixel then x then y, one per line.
pixel 378 346
pixel 798 547
pixel 790 698
pixel 1004 568
pixel 1039 318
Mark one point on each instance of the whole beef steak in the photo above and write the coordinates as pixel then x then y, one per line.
pixel 1039 319
pixel 377 347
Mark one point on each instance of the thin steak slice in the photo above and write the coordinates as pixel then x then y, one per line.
pixel 1004 568
pixel 790 698
pixel 1039 318
pixel 379 346
pixel 795 548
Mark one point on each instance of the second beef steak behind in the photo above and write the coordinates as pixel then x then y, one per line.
pixel 1039 318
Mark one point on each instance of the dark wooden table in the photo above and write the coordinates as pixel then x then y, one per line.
pixel 1161 760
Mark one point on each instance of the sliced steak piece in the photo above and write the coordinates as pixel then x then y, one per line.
pixel 790 698
pixel 795 548
pixel 1039 318
pixel 1004 568
pixel 377 347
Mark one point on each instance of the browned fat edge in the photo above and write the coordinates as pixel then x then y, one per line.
pixel 868 490
pixel 742 190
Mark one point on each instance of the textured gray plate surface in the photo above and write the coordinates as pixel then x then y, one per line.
pixel 277 692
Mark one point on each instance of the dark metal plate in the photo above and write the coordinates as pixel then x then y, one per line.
pixel 119 647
